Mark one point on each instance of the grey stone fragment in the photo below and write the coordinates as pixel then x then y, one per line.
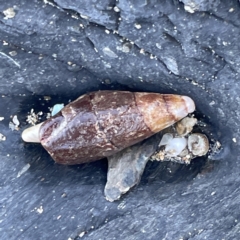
pixel 126 167
pixel 200 5
pixel 93 11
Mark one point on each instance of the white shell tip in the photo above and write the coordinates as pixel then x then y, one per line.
pixel 189 104
pixel 32 134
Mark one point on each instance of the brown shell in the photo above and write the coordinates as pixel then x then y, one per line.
pixel 99 124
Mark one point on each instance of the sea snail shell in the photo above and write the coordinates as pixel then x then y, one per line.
pixel 99 124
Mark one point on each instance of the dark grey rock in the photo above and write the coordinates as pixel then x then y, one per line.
pixel 146 46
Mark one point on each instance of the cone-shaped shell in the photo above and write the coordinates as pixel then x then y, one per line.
pixel 99 124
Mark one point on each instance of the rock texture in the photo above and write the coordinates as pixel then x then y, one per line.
pixel 62 49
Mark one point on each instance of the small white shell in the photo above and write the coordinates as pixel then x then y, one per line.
pixel 198 144
pixel 165 139
pixel 175 146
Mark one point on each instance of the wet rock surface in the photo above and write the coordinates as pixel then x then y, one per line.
pixel 62 50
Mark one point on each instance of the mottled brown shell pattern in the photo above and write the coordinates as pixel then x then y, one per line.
pixel 100 124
